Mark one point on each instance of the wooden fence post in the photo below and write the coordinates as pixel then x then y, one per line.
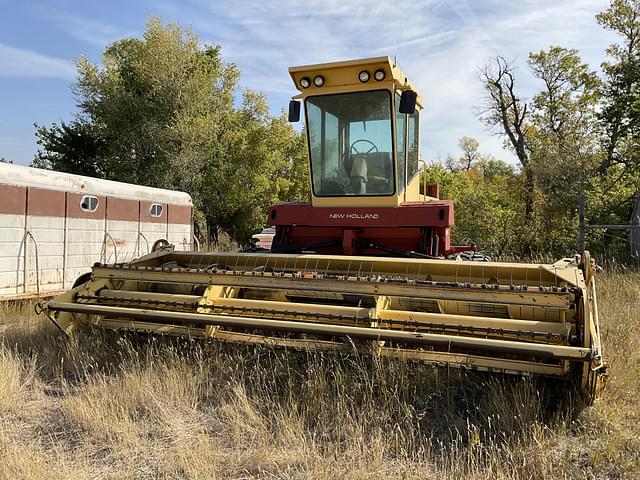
pixel 581 204
pixel 634 232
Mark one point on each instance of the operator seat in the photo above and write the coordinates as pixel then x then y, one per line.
pixel 379 173
pixel 358 175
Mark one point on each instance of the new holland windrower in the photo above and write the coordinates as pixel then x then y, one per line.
pixel 368 262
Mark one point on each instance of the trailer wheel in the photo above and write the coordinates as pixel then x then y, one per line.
pixel 82 279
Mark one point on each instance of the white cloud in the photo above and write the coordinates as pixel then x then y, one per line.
pixel 440 45
pixel 12 141
pixel 20 62
pixel 86 29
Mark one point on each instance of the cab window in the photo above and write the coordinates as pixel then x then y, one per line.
pixel 413 145
pixel 350 143
pixel 401 128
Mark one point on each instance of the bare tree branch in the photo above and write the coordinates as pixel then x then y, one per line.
pixel 505 110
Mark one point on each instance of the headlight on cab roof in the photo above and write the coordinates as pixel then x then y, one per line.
pixel 364 76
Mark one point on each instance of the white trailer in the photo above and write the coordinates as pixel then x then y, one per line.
pixel 54 226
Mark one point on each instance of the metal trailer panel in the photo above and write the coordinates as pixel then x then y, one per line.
pixel 179 235
pixel 122 235
pixel 84 244
pixel 179 229
pixel 151 231
pixel 122 241
pixel 44 254
pixel 11 266
pixel 47 240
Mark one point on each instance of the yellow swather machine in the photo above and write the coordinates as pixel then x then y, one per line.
pixel 368 262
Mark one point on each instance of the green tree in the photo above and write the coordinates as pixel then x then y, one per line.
pixel 579 133
pixel 621 110
pixel 75 147
pixel 619 172
pixel 160 111
pixel 487 200
pixel 564 143
pixel 263 162
pixel 470 155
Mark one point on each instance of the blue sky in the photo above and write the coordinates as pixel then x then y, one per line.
pixel 440 44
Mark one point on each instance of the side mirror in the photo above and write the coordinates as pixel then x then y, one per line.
pixel 408 102
pixel 294 111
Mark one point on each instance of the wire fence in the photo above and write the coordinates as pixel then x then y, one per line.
pixel 611 240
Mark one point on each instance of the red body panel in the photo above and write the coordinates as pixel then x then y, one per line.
pixel 416 227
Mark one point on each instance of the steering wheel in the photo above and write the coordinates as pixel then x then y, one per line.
pixel 356 151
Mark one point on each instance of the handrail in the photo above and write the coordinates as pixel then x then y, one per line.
pixel 28 234
pixel 103 254
pixel 140 234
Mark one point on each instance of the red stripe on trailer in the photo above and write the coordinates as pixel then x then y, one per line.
pixel 13 200
pixel 45 203
pixel 179 214
pixel 121 209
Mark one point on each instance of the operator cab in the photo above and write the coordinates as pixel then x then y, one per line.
pixel 363 149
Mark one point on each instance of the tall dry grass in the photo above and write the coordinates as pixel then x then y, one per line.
pixel 106 406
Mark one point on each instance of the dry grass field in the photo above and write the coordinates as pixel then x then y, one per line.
pixel 104 406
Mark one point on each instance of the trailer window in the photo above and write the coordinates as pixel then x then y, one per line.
pixel 89 203
pixel 155 210
pixel 350 143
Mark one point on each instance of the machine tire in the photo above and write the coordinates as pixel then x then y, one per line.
pixel 159 244
pixel 586 264
pixel 82 279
